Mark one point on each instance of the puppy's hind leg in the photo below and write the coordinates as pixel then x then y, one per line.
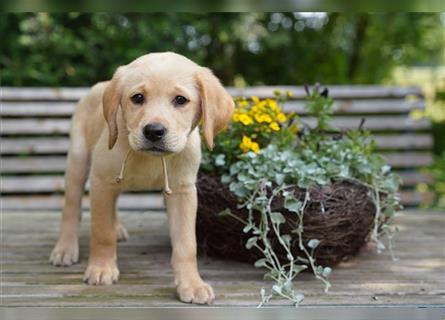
pixel 121 231
pixel 66 251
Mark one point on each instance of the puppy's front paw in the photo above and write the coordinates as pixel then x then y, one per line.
pixel 198 292
pixel 101 272
pixel 66 252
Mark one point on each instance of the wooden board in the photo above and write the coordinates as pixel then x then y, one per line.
pixel 51 145
pixel 34 145
pixel 139 202
pixel 362 106
pixel 404 141
pixel 365 106
pixel 34 164
pixel 55 183
pixel 35 126
pixel 377 123
pixel 37 108
pixel 408 159
pixel 336 92
pixel 146 277
pixel 410 198
pixel 57 163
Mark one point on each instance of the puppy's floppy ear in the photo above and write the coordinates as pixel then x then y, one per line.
pixel 216 104
pixel 110 102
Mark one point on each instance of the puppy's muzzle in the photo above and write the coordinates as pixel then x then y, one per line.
pixel 154 132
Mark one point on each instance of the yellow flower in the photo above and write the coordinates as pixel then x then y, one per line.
pixel 235 117
pixel 281 117
pixel 267 118
pixel 262 104
pixel 274 126
pixel 245 119
pixel 255 99
pixel 273 105
pixel 259 118
pixel 255 147
pixel 247 141
pixel 245 144
pixel 243 103
pixel 290 94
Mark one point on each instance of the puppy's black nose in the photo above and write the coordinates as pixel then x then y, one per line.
pixel 154 131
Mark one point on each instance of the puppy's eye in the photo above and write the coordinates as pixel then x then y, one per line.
pixel 138 98
pixel 180 100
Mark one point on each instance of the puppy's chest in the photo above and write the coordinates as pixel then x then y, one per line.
pixel 142 176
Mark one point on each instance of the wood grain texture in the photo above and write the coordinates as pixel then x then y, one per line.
pixel 364 106
pixel 48 126
pixel 55 183
pixel 139 201
pixel 56 164
pixel 55 145
pixel 127 201
pixel 146 277
pixel 353 91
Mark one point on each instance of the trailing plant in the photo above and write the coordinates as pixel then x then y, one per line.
pixel 265 155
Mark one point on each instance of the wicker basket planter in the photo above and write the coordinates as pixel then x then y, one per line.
pixel 340 216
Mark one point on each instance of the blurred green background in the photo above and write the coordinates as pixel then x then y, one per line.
pixel 79 49
pixel 70 49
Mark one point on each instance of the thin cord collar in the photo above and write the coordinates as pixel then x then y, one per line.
pixel 119 178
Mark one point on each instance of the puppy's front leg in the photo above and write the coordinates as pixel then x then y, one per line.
pixel 181 209
pixel 102 264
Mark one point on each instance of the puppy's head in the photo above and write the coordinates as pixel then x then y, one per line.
pixel 163 97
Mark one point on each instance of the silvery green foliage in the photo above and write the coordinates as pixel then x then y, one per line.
pixel 257 179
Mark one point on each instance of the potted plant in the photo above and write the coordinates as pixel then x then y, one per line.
pixel 289 197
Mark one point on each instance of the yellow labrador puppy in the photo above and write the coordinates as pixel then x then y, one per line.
pixel 150 109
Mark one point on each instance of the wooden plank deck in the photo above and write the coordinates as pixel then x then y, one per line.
pixel 146 277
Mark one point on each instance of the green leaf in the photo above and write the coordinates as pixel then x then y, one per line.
pixel 292 204
pixel 313 243
pixel 238 189
pixel 225 178
pixel 225 212
pixel 247 228
pixel 298 298
pixel 286 238
pixel 288 286
pixel 326 272
pixel 277 217
pixel 319 270
pixel 220 160
pixel 260 263
pixel 251 242
pixel 303 260
pixel 279 178
pixel 276 288
pixel 299 267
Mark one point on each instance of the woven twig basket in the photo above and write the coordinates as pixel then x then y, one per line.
pixel 340 216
